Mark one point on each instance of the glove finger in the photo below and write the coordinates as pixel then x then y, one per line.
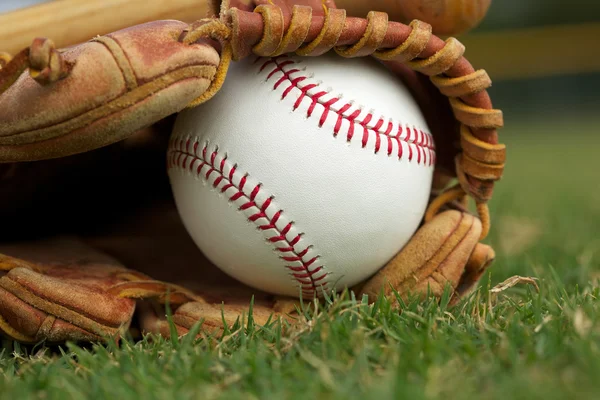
pixel 480 260
pixel 436 255
pixel 60 293
pixel 451 269
pixel 57 309
pixel 24 323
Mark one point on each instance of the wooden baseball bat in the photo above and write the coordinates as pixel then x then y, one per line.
pixel 69 22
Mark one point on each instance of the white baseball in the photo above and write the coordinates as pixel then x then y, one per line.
pixel 303 174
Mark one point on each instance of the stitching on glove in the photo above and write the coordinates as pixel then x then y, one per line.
pixel 416 140
pixel 211 167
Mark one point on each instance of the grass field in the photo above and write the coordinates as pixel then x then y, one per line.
pixel 515 344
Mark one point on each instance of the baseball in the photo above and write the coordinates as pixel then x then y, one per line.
pixel 303 174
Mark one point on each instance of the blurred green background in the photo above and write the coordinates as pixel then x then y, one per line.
pixel 508 14
pixel 550 94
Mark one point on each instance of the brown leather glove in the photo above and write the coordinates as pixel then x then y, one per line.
pixel 80 124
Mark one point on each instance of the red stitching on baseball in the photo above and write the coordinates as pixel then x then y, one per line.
pixel 422 141
pixel 183 151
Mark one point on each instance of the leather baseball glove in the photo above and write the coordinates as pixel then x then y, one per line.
pixel 90 234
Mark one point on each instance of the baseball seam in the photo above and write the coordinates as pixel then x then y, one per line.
pixel 416 140
pixel 397 139
pixel 212 167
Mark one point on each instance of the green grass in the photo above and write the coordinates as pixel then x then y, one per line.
pixel 515 344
